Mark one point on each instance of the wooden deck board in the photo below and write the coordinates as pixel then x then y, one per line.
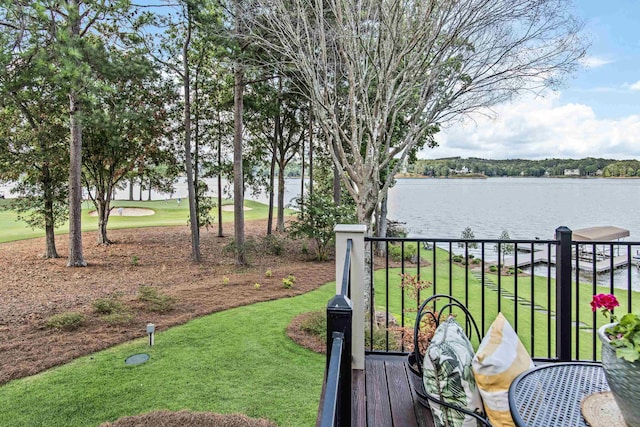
pixel 359 399
pixel 402 413
pixel 384 396
pixel 378 405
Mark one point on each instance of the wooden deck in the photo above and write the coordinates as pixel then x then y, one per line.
pixel 383 395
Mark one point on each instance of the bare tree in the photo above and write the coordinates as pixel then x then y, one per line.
pixel 372 67
pixel 383 76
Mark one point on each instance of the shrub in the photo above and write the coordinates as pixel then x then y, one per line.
pixel 155 301
pixel 135 260
pixel 476 261
pixel 268 273
pixel 233 248
pixel 289 281
pixel 320 216
pixel 119 318
pixel 274 244
pixel 225 280
pixel 316 324
pixel 68 321
pixel 457 258
pixel 493 268
pixel 256 285
pixel 107 305
pixel 395 252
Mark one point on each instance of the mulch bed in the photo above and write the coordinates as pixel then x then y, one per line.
pixel 32 289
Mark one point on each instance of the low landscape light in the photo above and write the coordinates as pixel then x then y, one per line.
pixel 151 329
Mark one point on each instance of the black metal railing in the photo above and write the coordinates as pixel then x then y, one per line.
pixel 336 400
pixel 543 287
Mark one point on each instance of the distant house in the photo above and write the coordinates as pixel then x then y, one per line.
pixel 572 172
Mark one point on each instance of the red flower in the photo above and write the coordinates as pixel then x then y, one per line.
pixel 606 301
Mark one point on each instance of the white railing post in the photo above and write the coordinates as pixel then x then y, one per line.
pixel 356 233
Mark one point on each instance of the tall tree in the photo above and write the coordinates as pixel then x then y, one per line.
pixel 368 64
pixel 33 145
pixel 424 63
pixel 124 129
pixel 70 36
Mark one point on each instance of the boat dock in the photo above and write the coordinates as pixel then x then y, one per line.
pixel 542 256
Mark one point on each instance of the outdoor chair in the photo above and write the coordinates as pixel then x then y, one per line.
pixel 438 308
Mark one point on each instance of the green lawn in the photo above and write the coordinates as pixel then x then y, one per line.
pixel 531 325
pixel 166 213
pixel 236 361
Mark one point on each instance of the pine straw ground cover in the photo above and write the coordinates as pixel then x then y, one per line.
pixel 33 289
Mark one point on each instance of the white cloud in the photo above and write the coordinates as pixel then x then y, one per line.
pixel 590 61
pixel 635 86
pixel 541 128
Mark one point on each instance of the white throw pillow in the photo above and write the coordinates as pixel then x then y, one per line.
pixel 447 375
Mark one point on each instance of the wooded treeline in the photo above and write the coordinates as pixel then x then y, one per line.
pixel 103 93
pixel 590 166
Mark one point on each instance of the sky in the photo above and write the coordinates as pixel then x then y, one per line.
pixel 595 114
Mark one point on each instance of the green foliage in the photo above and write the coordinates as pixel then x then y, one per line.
pixel 467 234
pixel 289 281
pixel 521 167
pixel 119 318
pixel 625 337
pixel 316 220
pixel 493 268
pixel 204 207
pixel 135 260
pixel 505 248
pixel 248 247
pixel 410 251
pixel 68 321
pixel 107 305
pixel 274 244
pixel 315 323
pixel 154 300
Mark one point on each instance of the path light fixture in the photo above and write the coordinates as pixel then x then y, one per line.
pixel 151 331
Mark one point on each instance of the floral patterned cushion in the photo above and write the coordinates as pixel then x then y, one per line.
pixel 447 376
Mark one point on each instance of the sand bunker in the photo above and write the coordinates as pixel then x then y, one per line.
pixel 229 208
pixel 127 212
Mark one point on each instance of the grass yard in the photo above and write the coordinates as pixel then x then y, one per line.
pixel 236 361
pixel 531 325
pixel 166 213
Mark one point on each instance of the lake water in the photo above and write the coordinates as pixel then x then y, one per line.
pixel 525 207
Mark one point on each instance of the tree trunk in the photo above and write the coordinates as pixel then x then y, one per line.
pixel 381 226
pixel 220 233
pixel 310 153
pixel 131 189
pixel 76 258
pixel 272 172
pixel 149 196
pixel 102 209
pixel 238 181
pixel 302 179
pixel 280 222
pixel 336 186
pixel 193 214
pixel 49 220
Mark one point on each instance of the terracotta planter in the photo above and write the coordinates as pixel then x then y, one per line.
pixel 623 378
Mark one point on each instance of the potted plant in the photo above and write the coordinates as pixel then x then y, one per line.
pixel 621 356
